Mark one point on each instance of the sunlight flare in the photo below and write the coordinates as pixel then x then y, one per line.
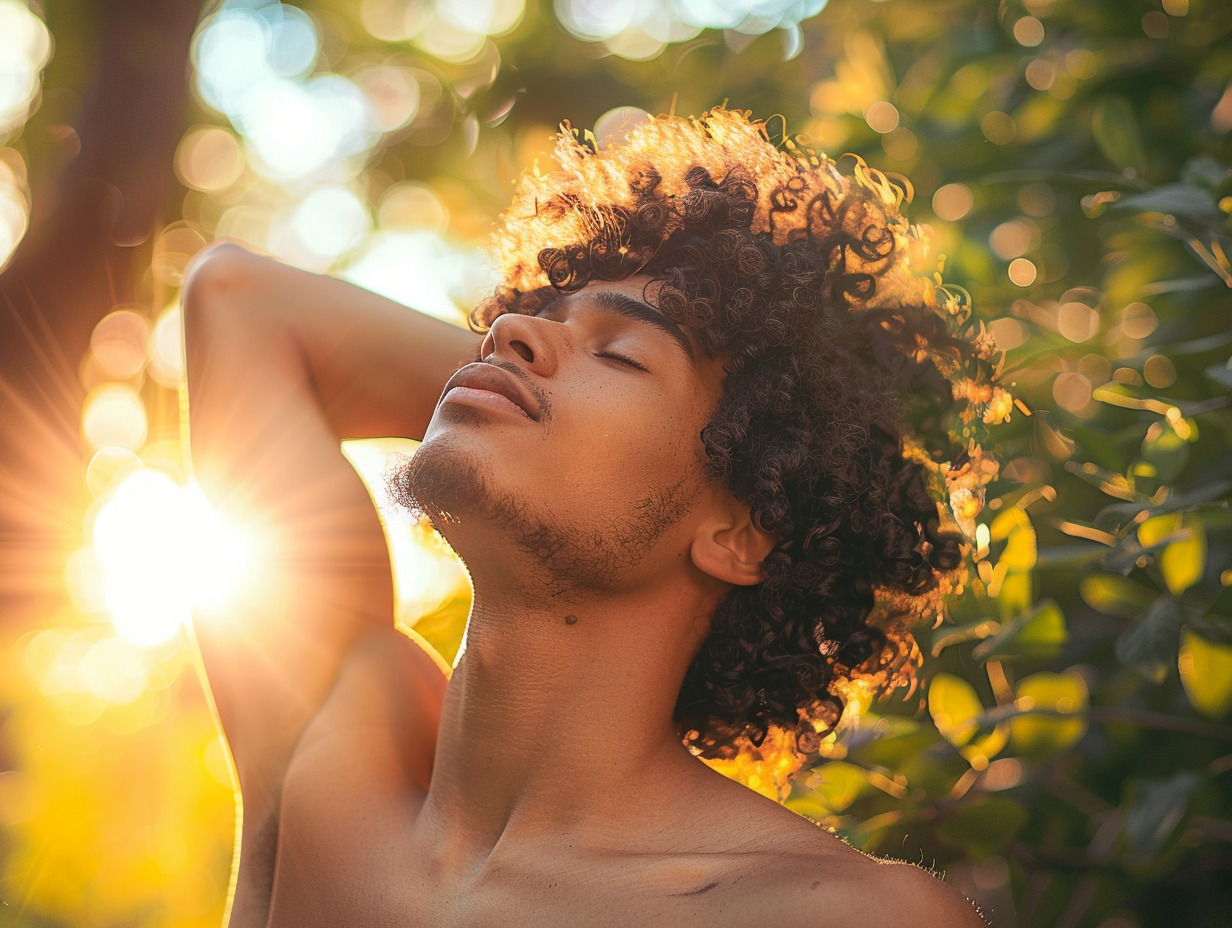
pixel 165 552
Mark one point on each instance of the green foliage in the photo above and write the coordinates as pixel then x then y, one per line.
pixel 1077 688
pixel 1070 763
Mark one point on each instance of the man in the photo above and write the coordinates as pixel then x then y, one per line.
pixel 676 477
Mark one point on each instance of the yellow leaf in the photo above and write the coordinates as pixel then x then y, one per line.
pixel 832 788
pixel 1206 674
pixel 1041 735
pixel 954 705
pixel 1182 562
pixel 982 750
pixel 1156 529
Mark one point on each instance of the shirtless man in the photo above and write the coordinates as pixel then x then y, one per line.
pixel 676 479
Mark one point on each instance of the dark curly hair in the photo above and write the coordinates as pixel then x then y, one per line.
pixel 838 361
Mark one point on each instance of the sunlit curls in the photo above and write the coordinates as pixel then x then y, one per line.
pixel 164 552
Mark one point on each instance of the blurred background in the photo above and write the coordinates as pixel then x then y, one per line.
pixel 1068 761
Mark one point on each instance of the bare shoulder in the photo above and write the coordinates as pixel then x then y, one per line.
pixel 903 894
pixel 874 892
pixel 825 881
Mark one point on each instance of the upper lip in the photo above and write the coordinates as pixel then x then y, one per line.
pixel 485 375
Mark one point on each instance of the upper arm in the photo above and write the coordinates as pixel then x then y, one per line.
pixel 281 365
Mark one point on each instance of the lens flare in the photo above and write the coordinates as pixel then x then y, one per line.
pixel 164 553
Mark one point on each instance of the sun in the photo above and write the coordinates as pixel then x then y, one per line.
pixel 165 553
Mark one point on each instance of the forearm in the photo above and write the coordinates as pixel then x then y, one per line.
pixel 375 367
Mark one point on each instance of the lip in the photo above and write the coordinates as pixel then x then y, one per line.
pixel 484 377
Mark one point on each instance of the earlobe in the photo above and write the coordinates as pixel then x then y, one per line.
pixel 732 548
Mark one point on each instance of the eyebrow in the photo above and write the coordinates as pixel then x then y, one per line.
pixel 618 304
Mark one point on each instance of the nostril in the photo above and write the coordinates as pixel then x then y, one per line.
pixel 523 350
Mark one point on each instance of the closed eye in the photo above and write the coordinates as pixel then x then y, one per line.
pixel 619 358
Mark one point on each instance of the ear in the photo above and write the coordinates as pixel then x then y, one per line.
pixel 730 547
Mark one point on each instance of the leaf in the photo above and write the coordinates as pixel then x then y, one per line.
pixel 1149 644
pixel 892 742
pixel 955 709
pixel 830 789
pixel 1016 594
pixel 1038 633
pixel 1183 201
pixel 1115 128
pixel 1167 452
pixel 1204 171
pixel 1221 373
pixel 1206 674
pixel 1184 560
pixel 1040 736
pixel 1014 528
pixel 1157 529
pixel 1113 594
pixel 954 706
pixel 984 826
pixel 1155 812
pixel 1176 502
pixel 1222 604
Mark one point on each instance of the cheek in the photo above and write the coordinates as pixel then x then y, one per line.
pixel 651 438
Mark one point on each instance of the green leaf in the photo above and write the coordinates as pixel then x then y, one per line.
pixel 1183 201
pixel 1115 128
pixel 1015 595
pixel 1113 594
pixel 1038 633
pixel 1221 373
pixel 1205 171
pixel 1120 513
pixel 1167 452
pixel 1149 644
pixel 1221 605
pixel 1039 736
pixel 830 789
pixel 1155 811
pixel 1206 674
pixel 984 826
pixel 891 742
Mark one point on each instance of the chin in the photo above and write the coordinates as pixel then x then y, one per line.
pixel 439 482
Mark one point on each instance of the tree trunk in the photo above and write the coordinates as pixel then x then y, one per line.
pixel 86 252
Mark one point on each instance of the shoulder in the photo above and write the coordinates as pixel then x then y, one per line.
pixel 904 894
pixel 844 886
pixel 824 881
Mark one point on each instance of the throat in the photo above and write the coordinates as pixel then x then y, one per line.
pixel 548 723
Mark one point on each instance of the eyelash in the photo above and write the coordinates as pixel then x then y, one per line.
pixel 621 358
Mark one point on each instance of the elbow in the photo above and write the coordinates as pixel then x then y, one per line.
pixel 218 296
pixel 215 277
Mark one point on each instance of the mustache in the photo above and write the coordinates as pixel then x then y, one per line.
pixel 545 405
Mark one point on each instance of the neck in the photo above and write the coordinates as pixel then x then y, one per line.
pixel 560 712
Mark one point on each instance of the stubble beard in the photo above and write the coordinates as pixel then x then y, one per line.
pixel 445 487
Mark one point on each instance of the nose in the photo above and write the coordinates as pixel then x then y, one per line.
pixel 535 341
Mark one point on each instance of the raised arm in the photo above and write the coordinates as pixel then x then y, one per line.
pixel 282 365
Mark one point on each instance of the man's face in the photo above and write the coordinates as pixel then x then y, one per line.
pixel 576 438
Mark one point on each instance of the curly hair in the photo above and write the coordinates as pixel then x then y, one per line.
pixel 852 391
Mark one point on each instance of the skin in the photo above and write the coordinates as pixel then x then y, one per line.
pixel 544 783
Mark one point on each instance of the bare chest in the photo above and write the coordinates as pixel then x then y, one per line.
pixel 377 883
